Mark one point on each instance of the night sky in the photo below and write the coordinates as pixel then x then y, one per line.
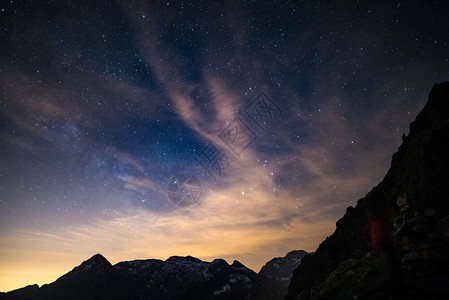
pixel 239 130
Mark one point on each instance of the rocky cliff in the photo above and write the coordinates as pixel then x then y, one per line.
pixel 394 243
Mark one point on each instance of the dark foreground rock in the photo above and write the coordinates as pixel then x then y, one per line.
pixel 395 243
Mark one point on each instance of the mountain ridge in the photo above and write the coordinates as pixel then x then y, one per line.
pixel 178 277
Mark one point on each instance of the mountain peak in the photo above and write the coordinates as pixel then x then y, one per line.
pixel 219 261
pixel 296 254
pixel 183 259
pixel 238 265
pixel 97 257
pixel 96 260
pixel 435 112
pixel 281 268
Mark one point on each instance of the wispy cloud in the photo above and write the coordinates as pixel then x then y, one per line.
pixel 139 184
pixel 125 158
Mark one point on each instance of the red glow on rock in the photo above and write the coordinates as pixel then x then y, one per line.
pixel 379 233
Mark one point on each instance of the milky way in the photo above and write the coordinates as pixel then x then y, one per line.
pixel 234 130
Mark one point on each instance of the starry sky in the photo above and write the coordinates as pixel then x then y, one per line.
pixel 240 130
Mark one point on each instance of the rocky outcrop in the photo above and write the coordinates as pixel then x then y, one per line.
pixel 281 268
pixel 279 272
pixel 394 244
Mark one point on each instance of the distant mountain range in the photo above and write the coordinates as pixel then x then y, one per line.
pixel 176 278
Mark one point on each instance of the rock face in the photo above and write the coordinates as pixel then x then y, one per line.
pixel 395 243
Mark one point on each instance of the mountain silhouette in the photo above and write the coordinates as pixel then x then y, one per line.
pixel 176 278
